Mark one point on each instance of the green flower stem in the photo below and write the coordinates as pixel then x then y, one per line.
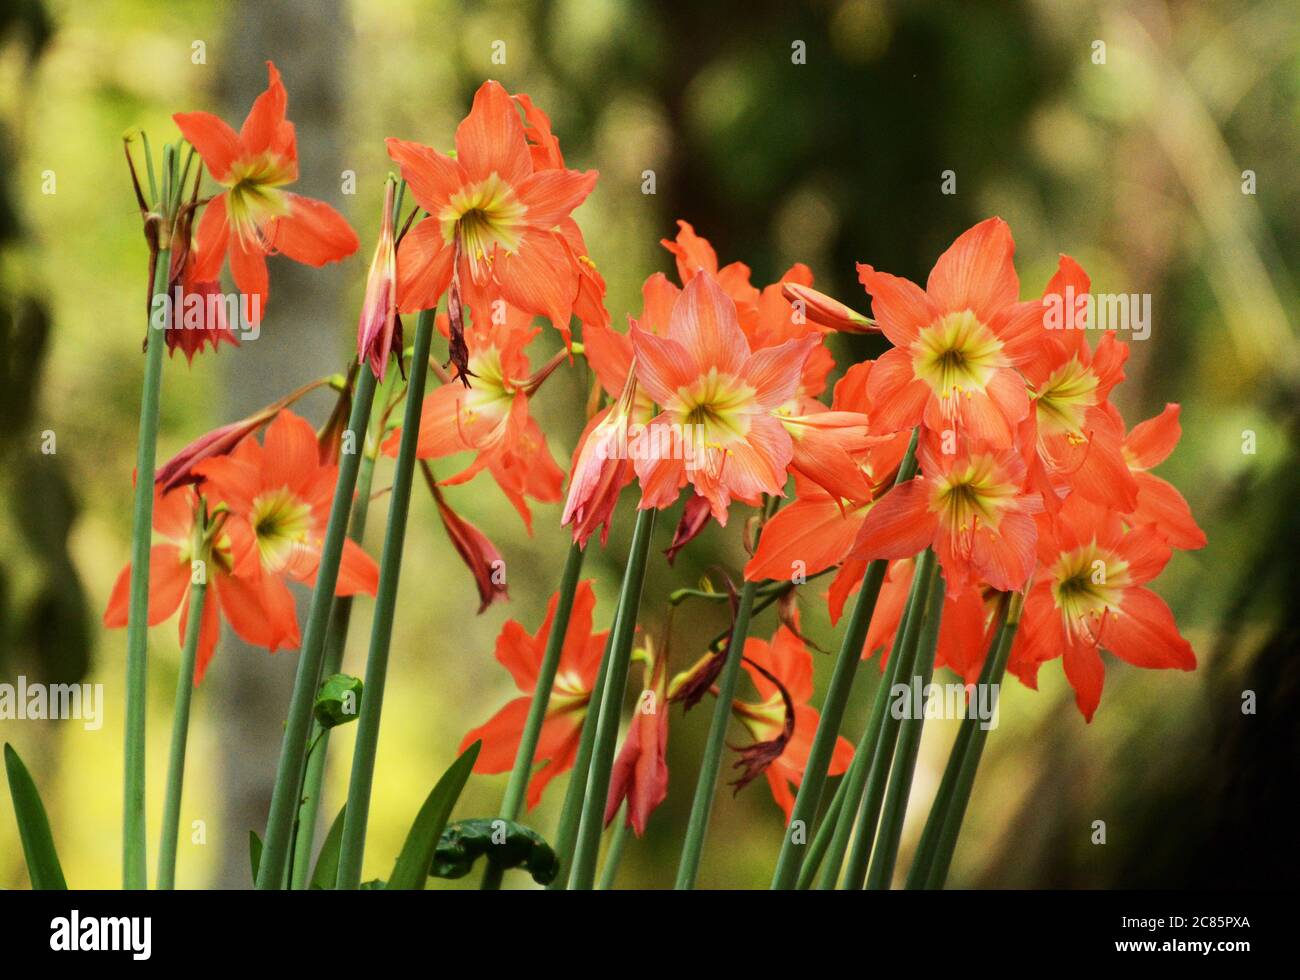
pixel 883 757
pixel 823 838
pixel 925 848
pixel 566 833
pixel 901 656
pixel 513 802
pixel 180 734
pixel 352 848
pixel 711 761
pixel 134 864
pixel 293 747
pixel 336 639
pixel 837 696
pixel 947 843
pixel 611 706
pixel 614 854
pixel 885 854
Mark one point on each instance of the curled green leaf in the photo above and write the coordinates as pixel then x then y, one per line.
pixel 503 842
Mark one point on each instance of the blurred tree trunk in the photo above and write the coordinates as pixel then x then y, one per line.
pixel 302 338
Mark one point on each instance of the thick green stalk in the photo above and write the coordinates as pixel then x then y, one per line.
pixel 885 854
pixel 900 659
pixel 611 706
pixel 947 844
pixel 352 848
pixel 180 735
pixel 837 696
pixel 566 833
pixel 293 747
pixel 711 761
pixel 883 756
pixel 822 840
pixel 134 870
pixel 336 640
pixel 925 848
pixel 614 853
pixel 513 802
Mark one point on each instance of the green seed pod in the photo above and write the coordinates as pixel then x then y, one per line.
pixel 338 701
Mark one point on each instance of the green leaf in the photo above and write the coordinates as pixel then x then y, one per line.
pixel 412 867
pixel 327 863
pixel 34 827
pixel 504 843
pixel 254 852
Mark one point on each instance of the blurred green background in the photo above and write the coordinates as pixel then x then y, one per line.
pixel 1135 166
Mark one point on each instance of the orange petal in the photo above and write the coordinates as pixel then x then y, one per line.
pixel 1161 505
pixel 500 736
pixel 704 322
pixel 1145 634
pixel 899 525
pixel 1151 441
pixel 551 194
pixel 214 141
pixel 432 176
pixel 212 238
pixel 692 252
pixel 976 272
pixel 901 307
pixel 263 127
pixel 249 271
pixel 358 572
pixel 491 138
pixel 1086 674
pixel 313 233
pixel 424 261
pixel 809 536
pixel 539 278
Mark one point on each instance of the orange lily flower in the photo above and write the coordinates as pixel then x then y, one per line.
pixel 783 723
pixel 1159 504
pixel 254 216
pixel 713 390
pixel 957 342
pixel 493 216
pixel 1071 439
pixel 170 573
pixel 279 498
pixel 521 654
pixel 491 419
pixel 1089 595
pixel 971 506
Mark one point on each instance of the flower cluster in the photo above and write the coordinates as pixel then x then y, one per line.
pixel 983 444
pixel 251 522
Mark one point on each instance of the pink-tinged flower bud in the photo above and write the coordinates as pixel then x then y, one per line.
pixel 478 553
pixel 179 470
pixel 826 312
pixel 696 514
pixel 378 323
pixel 602 467
pixel 640 773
